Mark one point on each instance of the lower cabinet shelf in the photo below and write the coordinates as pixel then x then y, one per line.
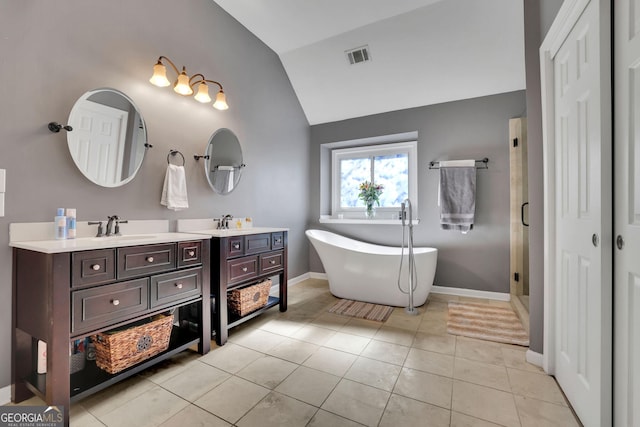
pixel 235 320
pixel 92 379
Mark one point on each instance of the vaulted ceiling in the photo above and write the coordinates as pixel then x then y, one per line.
pixel 422 52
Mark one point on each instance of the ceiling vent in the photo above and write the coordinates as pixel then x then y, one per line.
pixel 358 55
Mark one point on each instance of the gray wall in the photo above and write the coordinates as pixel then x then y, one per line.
pixel 52 53
pixel 538 17
pixel 473 128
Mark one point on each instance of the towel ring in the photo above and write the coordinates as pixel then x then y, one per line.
pixel 173 153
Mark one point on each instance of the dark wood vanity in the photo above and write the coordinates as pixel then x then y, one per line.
pixel 68 295
pixel 244 260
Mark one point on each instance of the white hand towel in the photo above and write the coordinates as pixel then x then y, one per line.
pixel 174 191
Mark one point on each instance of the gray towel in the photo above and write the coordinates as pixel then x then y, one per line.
pixel 224 178
pixel 457 197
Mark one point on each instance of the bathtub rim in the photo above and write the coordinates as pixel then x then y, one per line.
pixel 361 246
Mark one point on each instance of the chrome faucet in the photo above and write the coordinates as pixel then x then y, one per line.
pixel 223 223
pixel 116 230
pixel 99 224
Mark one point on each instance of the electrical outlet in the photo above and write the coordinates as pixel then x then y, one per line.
pixel 3 179
pixel 1 204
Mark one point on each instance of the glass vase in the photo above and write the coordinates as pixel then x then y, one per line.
pixel 371 211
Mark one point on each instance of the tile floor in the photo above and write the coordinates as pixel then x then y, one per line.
pixel 307 367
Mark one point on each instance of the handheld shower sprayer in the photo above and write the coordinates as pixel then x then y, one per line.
pixel 413 277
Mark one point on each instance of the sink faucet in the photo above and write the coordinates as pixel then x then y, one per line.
pixel 223 223
pixel 116 230
pixel 99 224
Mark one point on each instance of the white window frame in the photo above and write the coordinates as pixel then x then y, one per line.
pixel 410 148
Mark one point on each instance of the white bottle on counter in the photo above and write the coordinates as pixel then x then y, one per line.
pixel 71 223
pixel 60 225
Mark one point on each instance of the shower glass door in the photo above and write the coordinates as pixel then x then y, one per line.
pixel 519 282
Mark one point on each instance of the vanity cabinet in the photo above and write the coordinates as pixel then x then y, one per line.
pixel 245 260
pixel 66 296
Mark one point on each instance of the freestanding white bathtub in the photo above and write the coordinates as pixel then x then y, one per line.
pixel 366 272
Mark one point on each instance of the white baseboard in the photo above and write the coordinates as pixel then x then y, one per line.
pixel 291 282
pixel 461 292
pixel 5 395
pixel 298 279
pixel 435 289
pixel 322 276
pixel 534 358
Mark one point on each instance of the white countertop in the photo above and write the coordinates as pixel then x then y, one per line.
pixel 238 231
pixel 90 243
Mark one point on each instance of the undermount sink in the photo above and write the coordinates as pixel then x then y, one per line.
pixel 125 237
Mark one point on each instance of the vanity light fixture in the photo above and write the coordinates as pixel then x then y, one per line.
pixel 184 84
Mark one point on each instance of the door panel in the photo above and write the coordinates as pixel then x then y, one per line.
pixel 626 394
pixel 98 143
pixel 582 214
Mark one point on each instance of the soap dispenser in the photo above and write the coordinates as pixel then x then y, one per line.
pixel 71 223
pixel 60 225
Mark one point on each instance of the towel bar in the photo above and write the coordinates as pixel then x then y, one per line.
pixel 483 164
pixel 173 152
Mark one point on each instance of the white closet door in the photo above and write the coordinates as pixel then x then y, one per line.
pixel 627 213
pixel 97 142
pixel 579 207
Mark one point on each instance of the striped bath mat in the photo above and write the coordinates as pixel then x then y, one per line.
pixel 362 310
pixel 486 322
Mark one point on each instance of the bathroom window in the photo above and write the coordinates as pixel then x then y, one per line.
pixel 391 165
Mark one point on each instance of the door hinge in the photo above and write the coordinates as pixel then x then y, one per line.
pixel 516 277
pixel 515 142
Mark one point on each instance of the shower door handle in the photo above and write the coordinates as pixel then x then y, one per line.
pixel 522 214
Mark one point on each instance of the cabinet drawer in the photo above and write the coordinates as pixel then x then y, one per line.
pixel 271 262
pixel 234 246
pixel 277 240
pixel 93 267
pixel 189 253
pixel 257 243
pixel 242 268
pixel 143 260
pixel 172 287
pixel 98 307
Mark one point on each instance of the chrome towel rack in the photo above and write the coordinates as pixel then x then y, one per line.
pixel 173 153
pixel 480 164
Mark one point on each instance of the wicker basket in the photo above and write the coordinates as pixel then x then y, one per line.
pixel 118 350
pixel 244 301
pixel 76 362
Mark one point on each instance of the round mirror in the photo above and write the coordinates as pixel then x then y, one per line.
pixel 223 166
pixel 109 137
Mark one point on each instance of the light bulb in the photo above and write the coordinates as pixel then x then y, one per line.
pixel 221 101
pixel 159 77
pixel 182 84
pixel 203 93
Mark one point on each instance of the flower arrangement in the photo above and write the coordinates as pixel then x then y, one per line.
pixel 370 193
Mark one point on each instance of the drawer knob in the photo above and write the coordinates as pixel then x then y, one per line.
pixel 95 267
pixel 179 285
pixel 244 269
pixel 150 259
pixel 236 246
pixel 273 261
pixel 191 253
pixel 115 302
